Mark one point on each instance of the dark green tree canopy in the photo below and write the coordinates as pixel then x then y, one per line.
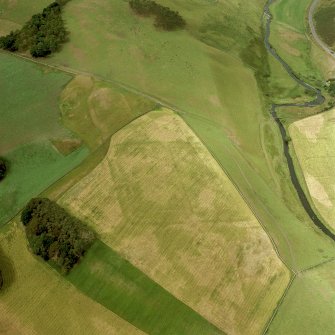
pixel 42 35
pixel 54 234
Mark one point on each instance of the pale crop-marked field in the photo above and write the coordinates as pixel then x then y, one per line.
pixel 314 143
pixel 37 300
pixel 163 203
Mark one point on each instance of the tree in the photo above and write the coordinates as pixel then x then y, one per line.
pixel 55 234
pixel 42 35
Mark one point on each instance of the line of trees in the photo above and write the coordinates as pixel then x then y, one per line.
pixel 42 35
pixel 3 168
pixel 165 18
pixel 54 234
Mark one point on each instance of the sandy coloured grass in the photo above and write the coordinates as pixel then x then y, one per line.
pixel 163 203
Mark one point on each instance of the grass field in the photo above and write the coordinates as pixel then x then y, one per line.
pixel 33 167
pixel 162 202
pixel 29 99
pixel 95 109
pixel 32 135
pixel 309 307
pixel 37 300
pixel 324 21
pixel 313 139
pixel 289 36
pixel 107 278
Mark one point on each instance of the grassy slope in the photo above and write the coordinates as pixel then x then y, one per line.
pixel 37 300
pixel 34 115
pixel 107 278
pixel 95 110
pixel 289 36
pixel 313 139
pixel 204 72
pixel 162 202
pixel 316 289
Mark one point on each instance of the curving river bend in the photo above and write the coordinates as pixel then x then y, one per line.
pixel 319 100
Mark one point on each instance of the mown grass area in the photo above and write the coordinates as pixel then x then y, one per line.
pixel 29 121
pixel 309 307
pixel 313 140
pixel 162 202
pixel 37 300
pixel 107 278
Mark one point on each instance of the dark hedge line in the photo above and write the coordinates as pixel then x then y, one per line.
pixel 54 234
pixel 42 35
pixel 166 18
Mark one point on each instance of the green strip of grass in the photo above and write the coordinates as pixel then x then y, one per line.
pixel 33 167
pixel 113 282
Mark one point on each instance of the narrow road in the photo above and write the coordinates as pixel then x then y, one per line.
pixel 318 40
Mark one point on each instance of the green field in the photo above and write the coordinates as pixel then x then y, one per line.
pixel 37 300
pixel 161 201
pixel 215 74
pixel 29 125
pixel 313 140
pixel 113 282
pixel 309 306
pixel 199 221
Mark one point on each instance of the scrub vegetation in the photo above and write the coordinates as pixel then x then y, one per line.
pixel 165 18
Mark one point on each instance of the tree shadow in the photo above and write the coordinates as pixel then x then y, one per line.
pixel 7 272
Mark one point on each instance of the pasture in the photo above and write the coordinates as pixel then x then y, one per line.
pixel 313 140
pixel 309 307
pixel 37 300
pixel 29 123
pixel 162 202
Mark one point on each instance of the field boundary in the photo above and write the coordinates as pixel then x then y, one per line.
pixel 161 102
